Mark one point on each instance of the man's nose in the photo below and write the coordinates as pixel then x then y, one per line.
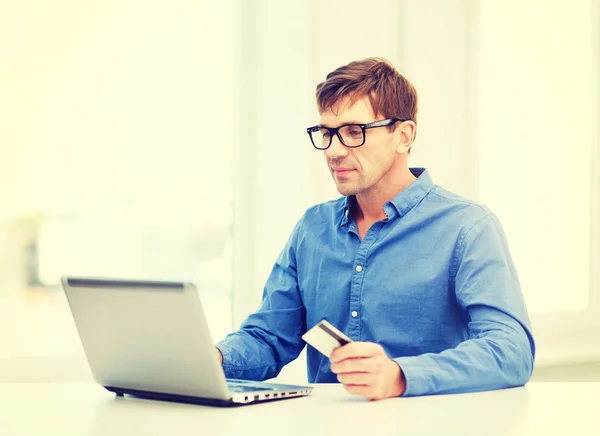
pixel 336 149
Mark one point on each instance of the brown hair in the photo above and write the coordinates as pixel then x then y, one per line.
pixel 390 94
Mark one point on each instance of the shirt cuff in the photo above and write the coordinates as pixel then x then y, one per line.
pixel 227 363
pixel 418 377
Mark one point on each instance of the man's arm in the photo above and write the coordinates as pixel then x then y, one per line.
pixel 271 337
pixel 500 350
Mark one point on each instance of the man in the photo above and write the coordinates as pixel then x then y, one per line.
pixel 420 279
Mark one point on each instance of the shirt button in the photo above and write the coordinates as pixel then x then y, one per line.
pixel 358 268
pixel 354 314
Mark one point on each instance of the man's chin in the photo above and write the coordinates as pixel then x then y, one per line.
pixel 346 190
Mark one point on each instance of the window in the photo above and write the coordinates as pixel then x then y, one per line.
pixel 536 130
pixel 537 147
pixel 117 153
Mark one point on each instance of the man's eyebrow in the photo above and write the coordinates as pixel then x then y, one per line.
pixel 343 124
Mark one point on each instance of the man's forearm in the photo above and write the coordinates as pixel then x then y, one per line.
pixel 247 357
pixel 492 362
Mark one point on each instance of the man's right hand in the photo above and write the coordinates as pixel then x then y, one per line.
pixel 220 355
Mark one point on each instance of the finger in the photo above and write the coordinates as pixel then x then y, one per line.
pixel 354 350
pixel 359 364
pixel 355 378
pixel 363 391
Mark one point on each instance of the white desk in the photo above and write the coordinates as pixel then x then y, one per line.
pixel 85 409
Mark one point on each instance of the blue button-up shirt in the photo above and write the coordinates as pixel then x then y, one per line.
pixel 434 284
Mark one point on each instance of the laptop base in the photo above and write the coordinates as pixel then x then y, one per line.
pixel 160 396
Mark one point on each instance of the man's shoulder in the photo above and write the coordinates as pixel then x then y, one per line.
pixel 469 210
pixel 331 207
pixel 327 211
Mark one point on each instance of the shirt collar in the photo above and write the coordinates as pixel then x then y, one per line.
pixel 348 204
pixel 401 203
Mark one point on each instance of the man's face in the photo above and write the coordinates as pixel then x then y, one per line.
pixel 356 170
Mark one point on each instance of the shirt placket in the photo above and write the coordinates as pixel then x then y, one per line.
pixel 359 269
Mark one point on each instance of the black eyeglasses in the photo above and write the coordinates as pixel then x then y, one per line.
pixel 351 135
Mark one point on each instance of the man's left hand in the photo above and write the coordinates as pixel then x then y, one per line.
pixel 365 369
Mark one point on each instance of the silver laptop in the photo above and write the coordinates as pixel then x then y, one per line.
pixel 150 339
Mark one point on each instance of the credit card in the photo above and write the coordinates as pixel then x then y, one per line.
pixel 325 337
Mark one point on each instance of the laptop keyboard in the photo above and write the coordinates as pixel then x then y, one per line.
pixel 245 388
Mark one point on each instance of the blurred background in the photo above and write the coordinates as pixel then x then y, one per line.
pixel 166 140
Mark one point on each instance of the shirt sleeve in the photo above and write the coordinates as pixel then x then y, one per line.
pixel 500 350
pixel 272 336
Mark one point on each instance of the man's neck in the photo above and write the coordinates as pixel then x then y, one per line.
pixel 370 203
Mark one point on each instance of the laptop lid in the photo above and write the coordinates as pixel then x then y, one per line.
pixel 147 336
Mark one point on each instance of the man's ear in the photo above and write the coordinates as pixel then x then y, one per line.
pixel 405 134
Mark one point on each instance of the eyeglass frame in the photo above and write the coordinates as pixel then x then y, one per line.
pixel 364 127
